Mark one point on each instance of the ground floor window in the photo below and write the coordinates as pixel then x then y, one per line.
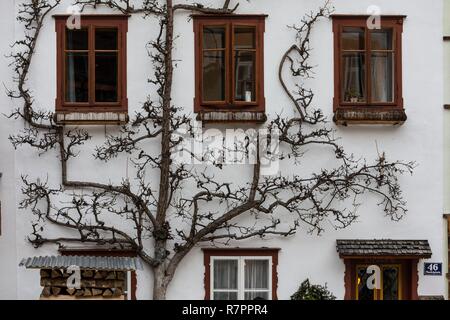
pixel 241 278
pixel 240 274
pixel 390 283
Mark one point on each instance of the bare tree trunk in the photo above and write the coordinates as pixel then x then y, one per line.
pixel 160 283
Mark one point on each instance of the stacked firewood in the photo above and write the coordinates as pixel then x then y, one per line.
pixel 94 283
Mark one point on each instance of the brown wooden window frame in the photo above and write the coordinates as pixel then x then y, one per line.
pixel 394 22
pixel 230 21
pixel 210 253
pixel 408 275
pixel 91 22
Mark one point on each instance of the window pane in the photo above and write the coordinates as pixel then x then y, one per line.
pixel 77 85
pixel 105 39
pixel 256 274
pixel 382 73
pixel 106 77
pixel 353 38
pixel 213 76
pixel 256 296
pixel 390 283
pixel 213 37
pixel 77 39
pixel 244 38
pixel 225 274
pixel 225 296
pixel 364 293
pixel 353 77
pixel 382 39
pixel 245 76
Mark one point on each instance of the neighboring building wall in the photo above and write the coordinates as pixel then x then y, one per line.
pixel 8 260
pixel 446 117
pixel 303 256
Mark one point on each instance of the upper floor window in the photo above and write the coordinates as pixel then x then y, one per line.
pixel 241 274
pixel 229 63
pixel 91 64
pixel 368 66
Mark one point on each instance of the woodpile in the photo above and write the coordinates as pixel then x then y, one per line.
pixel 93 284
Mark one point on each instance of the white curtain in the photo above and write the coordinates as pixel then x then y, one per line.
pixel 382 77
pixel 354 75
pixel 225 274
pixel 256 277
pixel 225 277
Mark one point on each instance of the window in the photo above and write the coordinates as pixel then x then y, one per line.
pixel 390 283
pixel 240 274
pixel 368 69
pixel 91 66
pixel 229 63
pixel 399 278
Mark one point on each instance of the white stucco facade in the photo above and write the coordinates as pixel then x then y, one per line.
pixel 302 256
pixel 446 112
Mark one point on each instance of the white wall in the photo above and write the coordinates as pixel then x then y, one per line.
pixel 302 256
pixel 8 260
pixel 446 74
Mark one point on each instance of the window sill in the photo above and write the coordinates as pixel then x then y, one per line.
pixel 369 115
pixel 232 116
pixel 91 118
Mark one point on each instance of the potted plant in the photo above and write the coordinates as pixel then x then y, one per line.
pixel 352 95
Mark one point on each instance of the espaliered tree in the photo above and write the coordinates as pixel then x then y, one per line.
pixel 161 222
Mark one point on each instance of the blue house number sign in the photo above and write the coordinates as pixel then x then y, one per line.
pixel 433 269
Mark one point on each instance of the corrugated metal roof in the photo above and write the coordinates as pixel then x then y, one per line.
pixel 357 247
pixel 84 262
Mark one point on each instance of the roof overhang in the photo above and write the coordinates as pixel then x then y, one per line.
pixel 83 262
pixel 398 249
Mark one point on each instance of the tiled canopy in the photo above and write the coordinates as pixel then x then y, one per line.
pixel 378 248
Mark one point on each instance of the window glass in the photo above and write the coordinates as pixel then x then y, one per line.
pixel 354 77
pixel 382 76
pixel 382 65
pixel 77 39
pixel 244 38
pixel 245 63
pixel 214 37
pixel 390 283
pixel 106 76
pixel 228 63
pixel 225 274
pixel 225 295
pixel 77 79
pixel 353 38
pixel 245 76
pixel 256 274
pixel 106 39
pixel 381 39
pixel 91 64
pixel 255 295
pixel 214 76
pixel 358 82
pixel 241 278
pixel 364 293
